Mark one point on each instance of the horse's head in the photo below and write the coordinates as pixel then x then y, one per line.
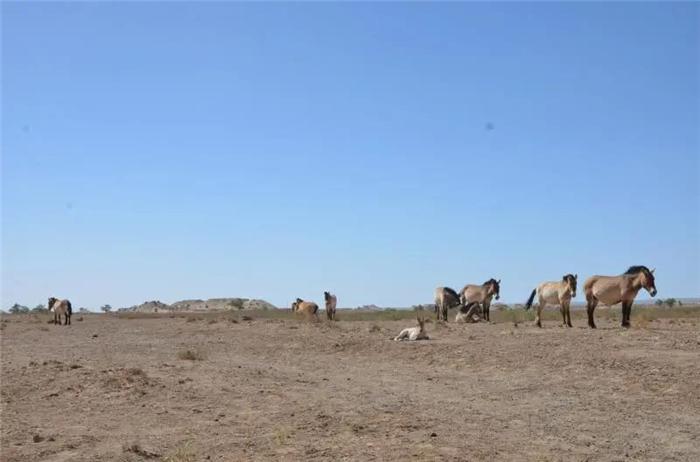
pixel 644 276
pixel 571 280
pixel 493 287
pixel 326 296
pixel 648 281
pixel 52 300
pixel 421 323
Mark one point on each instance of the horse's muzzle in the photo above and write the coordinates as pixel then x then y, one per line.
pixel 497 296
pixel 652 292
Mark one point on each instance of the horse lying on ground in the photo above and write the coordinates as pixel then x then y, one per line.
pixel 414 333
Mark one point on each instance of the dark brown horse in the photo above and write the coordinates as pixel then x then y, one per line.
pixel 610 290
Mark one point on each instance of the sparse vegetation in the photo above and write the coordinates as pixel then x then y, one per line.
pixel 190 355
pixel 18 309
pixel 183 453
pixel 106 308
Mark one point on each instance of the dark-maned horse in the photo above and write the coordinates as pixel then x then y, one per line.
pixel 307 308
pixel 610 290
pixel 481 294
pixel 331 303
pixel 60 307
pixel 555 293
pixel 445 298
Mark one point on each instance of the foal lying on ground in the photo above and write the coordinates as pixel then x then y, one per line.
pixel 469 313
pixel 414 333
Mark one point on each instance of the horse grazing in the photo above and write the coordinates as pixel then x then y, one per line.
pixel 307 308
pixel 468 314
pixel 610 290
pixel 445 298
pixel 331 302
pixel 60 307
pixel 482 294
pixel 413 333
pixel 555 293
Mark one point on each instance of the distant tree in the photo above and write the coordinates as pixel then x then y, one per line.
pixel 670 302
pixel 659 302
pixel 83 310
pixel 39 308
pixel 106 308
pixel 680 303
pixel 17 309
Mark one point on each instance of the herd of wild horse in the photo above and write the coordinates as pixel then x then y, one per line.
pixel 473 301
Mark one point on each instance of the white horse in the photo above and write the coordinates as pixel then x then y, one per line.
pixel 414 333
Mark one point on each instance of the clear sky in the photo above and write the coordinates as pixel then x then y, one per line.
pixel 169 151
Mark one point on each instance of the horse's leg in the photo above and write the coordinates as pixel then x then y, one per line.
pixel 626 311
pixel 538 316
pixel 590 308
pixel 487 314
pixel 562 310
pixel 567 317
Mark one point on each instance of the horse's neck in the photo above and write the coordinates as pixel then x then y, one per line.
pixel 635 282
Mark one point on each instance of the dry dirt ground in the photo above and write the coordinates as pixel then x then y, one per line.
pixel 189 389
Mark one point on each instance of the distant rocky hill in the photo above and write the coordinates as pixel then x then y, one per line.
pixel 212 304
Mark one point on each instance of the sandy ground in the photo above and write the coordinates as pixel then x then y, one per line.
pixel 116 389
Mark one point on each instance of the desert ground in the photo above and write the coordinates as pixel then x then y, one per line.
pixel 229 387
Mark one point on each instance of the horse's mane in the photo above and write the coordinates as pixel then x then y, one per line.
pixel 567 276
pixel 451 291
pixel 637 269
pixel 490 281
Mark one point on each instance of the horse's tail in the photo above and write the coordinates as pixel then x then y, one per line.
pixel 70 308
pixel 528 305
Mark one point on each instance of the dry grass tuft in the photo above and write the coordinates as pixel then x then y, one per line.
pixel 182 453
pixel 190 355
pixel 136 448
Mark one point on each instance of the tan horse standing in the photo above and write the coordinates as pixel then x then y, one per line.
pixel 306 308
pixel 60 307
pixel 555 293
pixel 481 294
pixel 610 290
pixel 445 298
pixel 331 303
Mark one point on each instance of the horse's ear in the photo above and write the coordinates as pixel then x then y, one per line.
pixel 652 270
pixel 576 276
pixel 499 281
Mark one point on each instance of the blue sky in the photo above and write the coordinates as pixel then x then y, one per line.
pixel 170 151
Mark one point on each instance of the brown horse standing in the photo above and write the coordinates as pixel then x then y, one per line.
pixel 331 303
pixel 555 293
pixel 610 290
pixel 307 308
pixel 445 298
pixel 60 307
pixel 481 294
